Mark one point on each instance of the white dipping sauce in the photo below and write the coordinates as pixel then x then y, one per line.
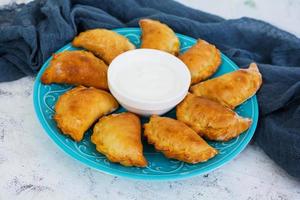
pixel 147 81
pixel 144 82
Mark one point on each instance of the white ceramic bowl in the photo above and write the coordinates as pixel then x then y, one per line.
pixel 148 81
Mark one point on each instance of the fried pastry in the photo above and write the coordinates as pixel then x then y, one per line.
pixel 77 109
pixel 103 43
pixel 156 35
pixel 211 119
pixel 176 140
pixel 231 89
pixel 202 59
pixel 78 68
pixel 118 137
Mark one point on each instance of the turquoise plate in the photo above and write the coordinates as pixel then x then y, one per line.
pixel 159 168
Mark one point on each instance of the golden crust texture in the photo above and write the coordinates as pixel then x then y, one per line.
pixel 77 109
pixel 211 119
pixel 118 137
pixel 231 89
pixel 105 44
pixel 78 68
pixel 156 35
pixel 202 59
pixel 176 140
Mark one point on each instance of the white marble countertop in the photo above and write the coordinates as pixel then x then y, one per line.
pixel 32 166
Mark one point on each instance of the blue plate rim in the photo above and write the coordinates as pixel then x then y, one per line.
pixel 162 177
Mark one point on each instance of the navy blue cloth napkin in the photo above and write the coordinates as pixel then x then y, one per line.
pixel 29 34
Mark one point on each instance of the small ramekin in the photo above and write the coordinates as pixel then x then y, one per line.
pixel 142 57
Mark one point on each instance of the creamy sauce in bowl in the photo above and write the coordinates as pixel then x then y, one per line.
pixel 148 79
pixel 146 83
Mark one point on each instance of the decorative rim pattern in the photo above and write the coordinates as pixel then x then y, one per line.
pixel 179 170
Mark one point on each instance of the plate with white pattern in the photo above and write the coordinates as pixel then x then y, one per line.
pixel 159 167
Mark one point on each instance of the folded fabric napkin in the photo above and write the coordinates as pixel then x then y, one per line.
pixel 30 34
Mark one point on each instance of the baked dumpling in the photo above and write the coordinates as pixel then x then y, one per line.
pixel 77 109
pixel 156 35
pixel 231 89
pixel 211 119
pixel 118 137
pixel 176 140
pixel 103 43
pixel 202 59
pixel 78 68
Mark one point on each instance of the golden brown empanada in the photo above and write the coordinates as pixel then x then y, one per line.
pixel 202 59
pixel 176 140
pixel 156 35
pixel 211 119
pixel 77 109
pixel 231 89
pixel 118 137
pixel 103 43
pixel 78 68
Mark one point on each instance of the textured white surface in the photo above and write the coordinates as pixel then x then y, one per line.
pixel 285 14
pixel 32 166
